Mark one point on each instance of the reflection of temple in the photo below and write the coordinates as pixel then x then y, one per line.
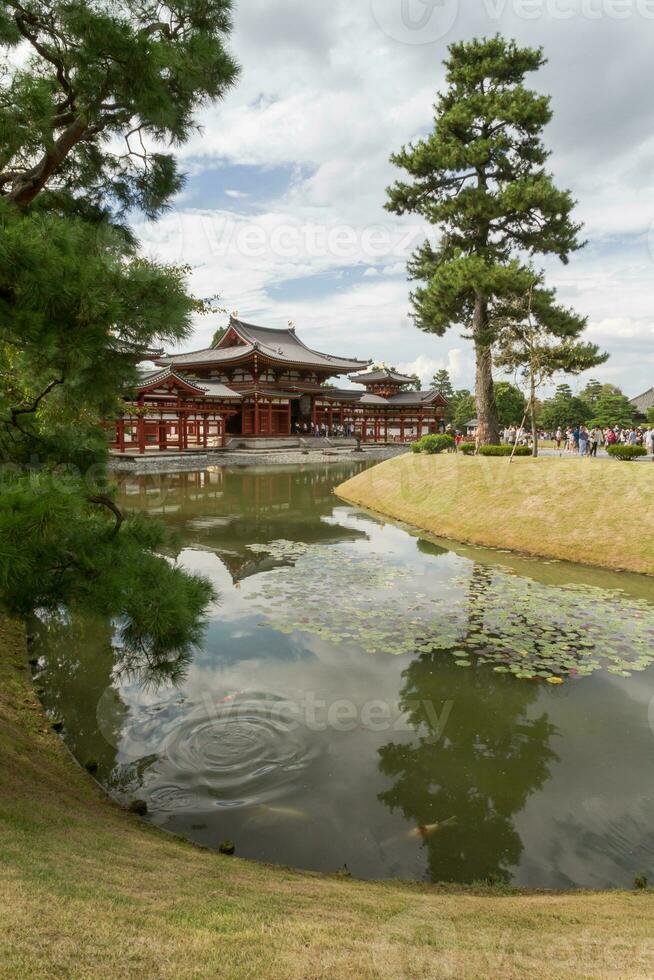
pixel 217 509
pixel 266 383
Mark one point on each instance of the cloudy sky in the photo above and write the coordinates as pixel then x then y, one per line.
pixel 282 213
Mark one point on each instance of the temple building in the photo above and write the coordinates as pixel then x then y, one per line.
pixel 265 383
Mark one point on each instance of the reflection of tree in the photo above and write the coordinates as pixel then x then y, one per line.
pixel 82 668
pixel 490 757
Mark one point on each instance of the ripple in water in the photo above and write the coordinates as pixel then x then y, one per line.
pixel 241 753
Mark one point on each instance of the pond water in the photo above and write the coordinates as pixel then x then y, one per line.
pixel 369 697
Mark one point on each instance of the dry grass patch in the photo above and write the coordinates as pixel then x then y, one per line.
pixel 597 512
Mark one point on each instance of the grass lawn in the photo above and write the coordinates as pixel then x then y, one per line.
pixel 88 890
pixel 594 511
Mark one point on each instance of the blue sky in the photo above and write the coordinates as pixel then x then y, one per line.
pixel 282 214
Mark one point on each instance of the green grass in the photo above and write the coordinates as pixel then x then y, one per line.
pixel 594 511
pixel 88 890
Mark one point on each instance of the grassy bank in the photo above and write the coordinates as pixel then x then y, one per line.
pixel 88 890
pixel 598 512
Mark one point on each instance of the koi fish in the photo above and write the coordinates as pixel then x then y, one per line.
pixel 426 830
pixel 288 812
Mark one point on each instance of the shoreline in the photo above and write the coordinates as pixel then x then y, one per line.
pixel 122 896
pixel 143 465
pixel 547 508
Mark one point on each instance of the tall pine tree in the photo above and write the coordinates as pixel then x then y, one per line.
pixel 480 178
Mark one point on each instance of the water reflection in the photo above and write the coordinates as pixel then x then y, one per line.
pixel 469 774
pixel 462 780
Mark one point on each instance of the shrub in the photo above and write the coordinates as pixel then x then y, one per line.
pixel 433 445
pixel 626 453
pixel 416 447
pixel 504 451
pixel 468 448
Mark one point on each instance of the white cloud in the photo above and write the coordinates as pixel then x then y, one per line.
pixel 329 93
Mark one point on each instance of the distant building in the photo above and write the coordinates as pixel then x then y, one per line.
pixel 260 382
pixel 643 403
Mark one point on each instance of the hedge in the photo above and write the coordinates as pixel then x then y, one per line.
pixel 433 445
pixel 626 453
pixel 504 451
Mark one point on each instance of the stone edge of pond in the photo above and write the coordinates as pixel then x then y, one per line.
pixel 143 466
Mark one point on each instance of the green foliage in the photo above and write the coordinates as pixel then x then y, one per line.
pixel 93 86
pixel 59 552
pixel 613 408
pixel 442 384
pixel 540 339
pixel 626 453
pixel 433 445
pixel 468 448
pixel 563 410
pixel 510 403
pixel 104 83
pixel 480 177
pixel 504 451
pixel 416 383
pixel 650 415
pixel 464 408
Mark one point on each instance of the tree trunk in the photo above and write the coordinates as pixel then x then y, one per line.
pixel 534 429
pixel 488 431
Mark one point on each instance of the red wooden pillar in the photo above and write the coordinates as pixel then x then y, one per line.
pixel 402 429
pixel 386 428
pixel 120 434
pixel 270 417
pixel 256 415
pixel 183 435
pixel 288 420
pixel 419 427
pixel 364 430
pixel 205 431
pixel 140 429
pixel 331 417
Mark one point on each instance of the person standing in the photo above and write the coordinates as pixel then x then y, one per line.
pixel 582 440
pixel 595 439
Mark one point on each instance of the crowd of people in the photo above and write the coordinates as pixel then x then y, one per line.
pixel 583 441
pixel 324 431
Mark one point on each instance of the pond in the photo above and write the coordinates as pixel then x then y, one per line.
pixel 370 697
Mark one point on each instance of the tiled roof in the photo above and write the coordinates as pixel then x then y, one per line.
pixel 277 345
pixel 415 397
pixel 644 402
pixel 383 374
pixel 216 390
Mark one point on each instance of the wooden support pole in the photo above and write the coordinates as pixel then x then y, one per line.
pixel 120 434
pixel 140 429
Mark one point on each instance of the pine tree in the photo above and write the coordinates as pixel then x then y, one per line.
pixel 78 305
pixel 442 383
pixel 480 178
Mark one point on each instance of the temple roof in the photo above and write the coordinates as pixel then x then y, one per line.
pixel 281 345
pixel 644 402
pixel 209 389
pixel 367 398
pixel 417 398
pixel 384 374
